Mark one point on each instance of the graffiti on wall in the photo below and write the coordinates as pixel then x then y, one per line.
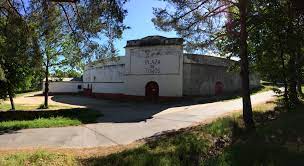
pixel 152 66
pixel 154 61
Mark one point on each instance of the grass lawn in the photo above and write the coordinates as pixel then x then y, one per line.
pixel 16 120
pixel 7 107
pixel 277 140
pixel 31 116
pixel 40 158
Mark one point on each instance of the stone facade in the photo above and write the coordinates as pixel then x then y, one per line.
pixel 203 75
pixel 156 65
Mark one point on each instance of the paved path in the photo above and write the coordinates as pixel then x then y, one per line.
pixel 124 123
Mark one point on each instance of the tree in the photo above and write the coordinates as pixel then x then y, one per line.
pixel 15 58
pixel 67 32
pixel 2 77
pixel 201 22
pixel 66 73
pixel 275 44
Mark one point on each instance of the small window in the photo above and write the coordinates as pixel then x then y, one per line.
pixel 79 87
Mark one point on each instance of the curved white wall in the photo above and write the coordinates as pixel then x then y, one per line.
pixel 64 87
pixel 114 88
pixel 105 79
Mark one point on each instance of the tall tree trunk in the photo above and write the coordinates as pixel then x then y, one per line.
pixel 292 66
pixel 299 76
pixel 247 108
pixel 284 74
pixel 11 96
pixel 300 91
pixel 292 82
pixel 46 87
pixel 12 102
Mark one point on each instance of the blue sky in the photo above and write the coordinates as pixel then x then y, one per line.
pixel 139 18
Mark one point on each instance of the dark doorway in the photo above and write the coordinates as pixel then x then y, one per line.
pixel 219 88
pixel 88 91
pixel 152 91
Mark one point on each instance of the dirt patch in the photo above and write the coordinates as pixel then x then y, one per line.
pixel 81 153
pixel 36 99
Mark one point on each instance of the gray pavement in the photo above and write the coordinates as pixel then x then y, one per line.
pixel 123 122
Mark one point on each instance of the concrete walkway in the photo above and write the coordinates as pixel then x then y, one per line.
pixel 125 124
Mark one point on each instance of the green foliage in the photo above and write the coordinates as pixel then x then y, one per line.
pixel 201 23
pixel 275 43
pixel 66 73
pixel 15 57
pixel 68 35
pixel 198 22
pixel 42 35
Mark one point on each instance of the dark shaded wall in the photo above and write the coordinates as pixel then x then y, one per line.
pixel 201 80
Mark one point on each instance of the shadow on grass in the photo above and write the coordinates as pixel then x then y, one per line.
pixel 187 146
pixel 277 140
pixel 184 149
pixel 15 120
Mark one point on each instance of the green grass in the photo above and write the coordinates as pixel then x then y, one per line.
pixel 40 158
pixel 16 120
pixel 39 123
pixel 277 140
pixel 7 107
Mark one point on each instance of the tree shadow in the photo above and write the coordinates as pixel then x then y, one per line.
pixel 122 111
pixel 137 111
pixel 277 140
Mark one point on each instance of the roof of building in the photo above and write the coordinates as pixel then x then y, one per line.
pixel 160 40
pixel 207 60
pixel 188 58
pixel 57 79
pixel 119 60
pixel 154 40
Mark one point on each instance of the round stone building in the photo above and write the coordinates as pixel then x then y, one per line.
pixel 157 67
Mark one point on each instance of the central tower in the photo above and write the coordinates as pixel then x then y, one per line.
pixel 154 59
